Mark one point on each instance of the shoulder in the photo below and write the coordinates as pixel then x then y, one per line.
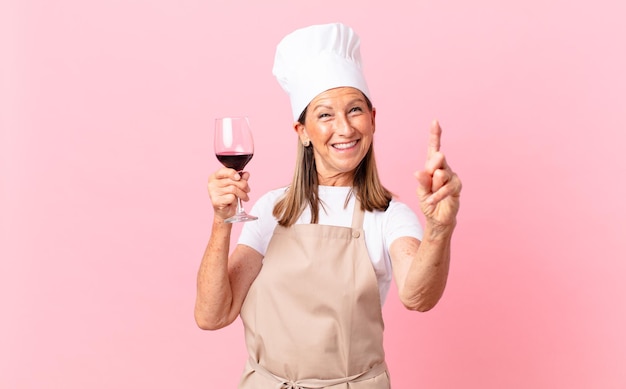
pixel 398 208
pixel 269 199
pixel 257 234
pixel 400 220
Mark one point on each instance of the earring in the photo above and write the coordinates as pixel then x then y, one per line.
pixel 307 143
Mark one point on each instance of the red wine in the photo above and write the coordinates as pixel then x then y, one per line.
pixel 234 160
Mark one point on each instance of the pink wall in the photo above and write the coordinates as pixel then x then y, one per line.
pixel 107 114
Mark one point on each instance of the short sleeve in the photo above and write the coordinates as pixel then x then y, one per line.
pixel 401 221
pixel 257 233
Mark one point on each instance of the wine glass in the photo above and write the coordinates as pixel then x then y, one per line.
pixel 234 149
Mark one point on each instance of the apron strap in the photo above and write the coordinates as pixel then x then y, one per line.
pixel 314 383
pixel 357 215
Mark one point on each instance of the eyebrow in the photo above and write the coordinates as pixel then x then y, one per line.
pixel 322 105
pixel 318 106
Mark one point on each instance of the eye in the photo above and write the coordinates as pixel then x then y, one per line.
pixel 356 109
pixel 323 115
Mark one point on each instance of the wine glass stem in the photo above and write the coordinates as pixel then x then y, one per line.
pixel 239 206
pixel 240 210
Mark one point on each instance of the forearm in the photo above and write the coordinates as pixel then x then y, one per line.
pixel 427 275
pixel 214 294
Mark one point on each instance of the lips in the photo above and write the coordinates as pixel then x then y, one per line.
pixel 343 146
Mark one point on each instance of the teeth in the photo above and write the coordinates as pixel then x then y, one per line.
pixel 344 145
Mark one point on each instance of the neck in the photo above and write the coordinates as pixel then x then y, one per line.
pixel 335 181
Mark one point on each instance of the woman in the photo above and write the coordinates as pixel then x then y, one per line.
pixel 309 277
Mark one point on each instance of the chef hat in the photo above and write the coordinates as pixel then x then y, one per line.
pixel 317 58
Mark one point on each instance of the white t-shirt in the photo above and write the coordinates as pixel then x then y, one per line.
pixel 380 228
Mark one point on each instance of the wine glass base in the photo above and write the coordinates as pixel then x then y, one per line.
pixel 244 217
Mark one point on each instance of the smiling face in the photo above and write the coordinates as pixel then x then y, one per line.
pixel 340 126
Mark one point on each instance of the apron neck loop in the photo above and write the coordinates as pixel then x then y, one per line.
pixel 357 214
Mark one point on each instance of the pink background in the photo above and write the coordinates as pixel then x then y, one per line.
pixel 107 116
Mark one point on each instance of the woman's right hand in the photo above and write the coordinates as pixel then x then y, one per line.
pixel 225 186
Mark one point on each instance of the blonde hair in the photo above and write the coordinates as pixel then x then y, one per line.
pixel 304 186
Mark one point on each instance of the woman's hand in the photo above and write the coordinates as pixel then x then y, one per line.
pixel 439 187
pixel 225 186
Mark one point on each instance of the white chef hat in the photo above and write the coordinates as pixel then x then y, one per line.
pixel 317 58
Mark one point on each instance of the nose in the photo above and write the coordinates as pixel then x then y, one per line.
pixel 343 125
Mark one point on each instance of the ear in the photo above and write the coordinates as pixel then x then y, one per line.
pixel 373 120
pixel 301 131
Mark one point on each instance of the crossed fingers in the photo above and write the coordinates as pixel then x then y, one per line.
pixel 437 180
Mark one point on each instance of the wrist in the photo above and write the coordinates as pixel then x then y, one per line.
pixel 434 231
pixel 220 224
